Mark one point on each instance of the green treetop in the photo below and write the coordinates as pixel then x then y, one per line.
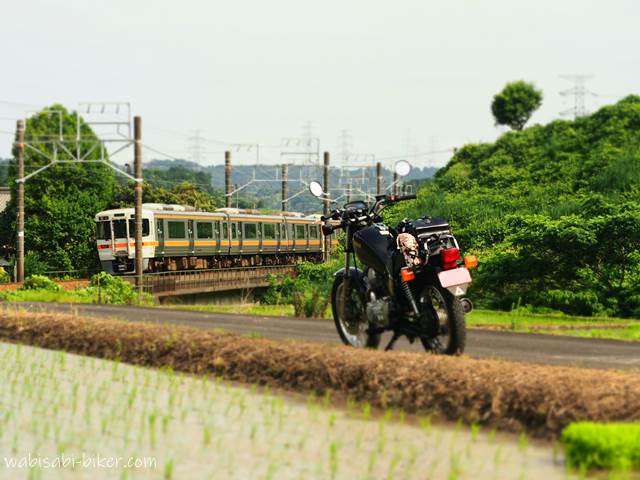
pixel 515 104
pixel 60 202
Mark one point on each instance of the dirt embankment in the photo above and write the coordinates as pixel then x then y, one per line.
pixel 507 395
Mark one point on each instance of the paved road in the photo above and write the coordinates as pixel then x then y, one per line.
pixel 534 348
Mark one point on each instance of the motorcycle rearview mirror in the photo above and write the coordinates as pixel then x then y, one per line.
pixel 316 190
pixel 402 168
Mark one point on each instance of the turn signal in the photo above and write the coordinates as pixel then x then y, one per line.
pixel 470 261
pixel 407 274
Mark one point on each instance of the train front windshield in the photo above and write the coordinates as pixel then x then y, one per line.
pixel 103 230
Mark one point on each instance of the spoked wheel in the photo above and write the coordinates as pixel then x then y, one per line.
pixel 350 317
pixel 450 331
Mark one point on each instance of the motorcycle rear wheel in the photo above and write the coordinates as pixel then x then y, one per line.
pixel 351 320
pixel 452 331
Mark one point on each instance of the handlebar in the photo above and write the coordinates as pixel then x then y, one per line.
pixel 400 198
pixel 371 216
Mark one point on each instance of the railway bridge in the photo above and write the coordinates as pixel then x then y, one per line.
pixel 166 284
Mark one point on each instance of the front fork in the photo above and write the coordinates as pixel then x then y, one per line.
pixel 346 280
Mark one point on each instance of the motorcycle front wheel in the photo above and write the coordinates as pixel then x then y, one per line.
pixel 350 318
pixel 451 330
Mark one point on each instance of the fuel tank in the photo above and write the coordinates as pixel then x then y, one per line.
pixel 374 246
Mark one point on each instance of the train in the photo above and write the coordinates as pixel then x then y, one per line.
pixel 178 237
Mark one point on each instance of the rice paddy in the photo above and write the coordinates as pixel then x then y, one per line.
pixel 58 406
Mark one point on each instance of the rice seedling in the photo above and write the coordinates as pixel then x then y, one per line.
pixel 333 459
pixel 169 467
pixel 206 435
pixel 366 410
pixel 523 442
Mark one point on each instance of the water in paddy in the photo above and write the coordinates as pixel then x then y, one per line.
pixel 56 405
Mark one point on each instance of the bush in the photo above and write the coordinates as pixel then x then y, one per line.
pixel 611 446
pixel 39 282
pixel 309 291
pixel 34 265
pixel 109 289
pixel 4 276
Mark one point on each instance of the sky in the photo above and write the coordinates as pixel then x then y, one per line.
pixel 402 78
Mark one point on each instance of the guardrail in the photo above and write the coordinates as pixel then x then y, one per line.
pixel 217 280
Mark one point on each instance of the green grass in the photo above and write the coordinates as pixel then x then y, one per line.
pixel 245 309
pixel 557 324
pixel 552 324
pixel 611 446
pixel 62 296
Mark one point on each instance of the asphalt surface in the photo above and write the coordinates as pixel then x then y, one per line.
pixel 523 347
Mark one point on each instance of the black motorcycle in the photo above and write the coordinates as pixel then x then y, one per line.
pixel 409 283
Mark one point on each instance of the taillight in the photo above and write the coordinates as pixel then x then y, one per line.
pixel 450 258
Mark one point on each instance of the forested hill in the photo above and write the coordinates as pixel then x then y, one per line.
pixel 552 211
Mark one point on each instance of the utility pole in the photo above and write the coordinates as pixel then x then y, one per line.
pixel 378 178
pixel 327 202
pixel 285 186
pixel 348 192
pixel 137 168
pixel 227 179
pixel 395 183
pixel 20 191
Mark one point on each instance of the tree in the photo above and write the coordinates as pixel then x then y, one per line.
pixel 60 202
pixel 515 104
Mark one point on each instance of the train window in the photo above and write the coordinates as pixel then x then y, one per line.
pixel 290 231
pixel 234 231
pixel 120 228
pixel 300 232
pixel 132 228
pixel 216 227
pixel 104 230
pixel 225 230
pixel 313 232
pixel 268 231
pixel 177 230
pixel 204 230
pixel 250 231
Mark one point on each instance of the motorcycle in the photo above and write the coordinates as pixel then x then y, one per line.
pixel 410 280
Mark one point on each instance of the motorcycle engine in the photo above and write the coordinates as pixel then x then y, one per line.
pixel 378 309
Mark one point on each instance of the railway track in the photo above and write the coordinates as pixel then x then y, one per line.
pixel 187 282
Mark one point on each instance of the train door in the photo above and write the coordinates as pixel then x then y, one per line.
pixel 282 237
pixel 269 238
pixel 191 236
pixel 160 234
pixel 120 235
pixel 235 240
pixel 291 239
pixel 223 245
